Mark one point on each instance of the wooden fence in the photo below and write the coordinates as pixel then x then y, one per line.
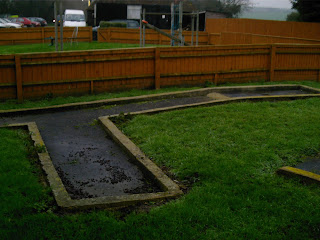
pixel 265 27
pixel 248 38
pixel 68 73
pixel 12 36
pixel 123 35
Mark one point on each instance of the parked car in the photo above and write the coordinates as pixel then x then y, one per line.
pixel 2 25
pixel 25 21
pixel 59 20
pixel 9 24
pixel 42 21
pixel 34 24
pixel 74 18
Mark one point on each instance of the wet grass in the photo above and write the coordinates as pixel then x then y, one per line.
pixel 45 47
pixel 229 152
pixel 232 153
pixel 22 193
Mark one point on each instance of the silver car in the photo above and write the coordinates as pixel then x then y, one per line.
pixel 8 24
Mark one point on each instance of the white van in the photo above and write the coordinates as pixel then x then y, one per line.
pixel 74 18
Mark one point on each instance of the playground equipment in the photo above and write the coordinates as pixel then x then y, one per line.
pixel 180 39
pixel 58 3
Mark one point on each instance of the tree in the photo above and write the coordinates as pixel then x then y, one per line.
pixel 294 17
pixel 309 10
pixel 6 6
pixel 232 8
pixel 29 8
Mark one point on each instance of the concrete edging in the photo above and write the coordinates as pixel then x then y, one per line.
pixel 150 97
pixel 139 157
pixel 170 189
pixel 60 193
pixel 304 175
pixel 285 170
pixel 224 101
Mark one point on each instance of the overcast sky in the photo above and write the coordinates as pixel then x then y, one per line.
pixel 272 3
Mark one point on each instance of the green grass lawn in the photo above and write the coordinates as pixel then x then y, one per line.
pixel 45 47
pixel 230 153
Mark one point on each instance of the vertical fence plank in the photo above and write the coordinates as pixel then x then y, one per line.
pixel 91 87
pixel 216 79
pixel 272 62
pixel 157 68
pixel 109 33
pixel 18 78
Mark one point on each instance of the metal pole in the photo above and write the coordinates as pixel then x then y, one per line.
pixel 172 23
pixel 144 29
pixel 61 27
pixel 197 30
pixel 180 20
pixel 192 29
pixel 56 26
pixel 140 29
pixel 95 14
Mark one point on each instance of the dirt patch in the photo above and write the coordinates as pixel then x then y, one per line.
pixel 217 96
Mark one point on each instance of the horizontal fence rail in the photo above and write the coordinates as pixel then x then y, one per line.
pixel 70 73
pixel 12 36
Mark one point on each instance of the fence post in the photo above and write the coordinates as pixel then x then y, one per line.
pixel 18 78
pixel 90 33
pixel 42 34
pixel 157 68
pixel 273 49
